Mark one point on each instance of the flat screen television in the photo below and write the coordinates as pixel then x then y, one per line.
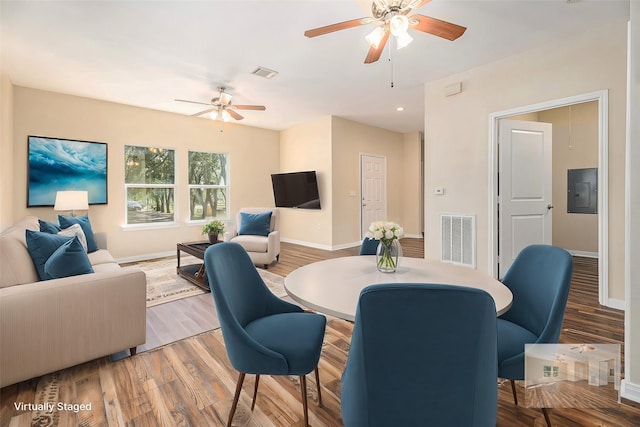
pixel 296 190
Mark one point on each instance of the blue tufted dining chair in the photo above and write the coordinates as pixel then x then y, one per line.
pixel 263 334
pixel 421 355
pixel 539 280
pixel 369 246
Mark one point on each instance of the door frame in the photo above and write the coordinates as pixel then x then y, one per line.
pixel 602 97
pixel 384 158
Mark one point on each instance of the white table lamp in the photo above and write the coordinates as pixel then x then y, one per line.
pixel 71 201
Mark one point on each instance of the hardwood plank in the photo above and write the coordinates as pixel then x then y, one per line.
pixel 191 381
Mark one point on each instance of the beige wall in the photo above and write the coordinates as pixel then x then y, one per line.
pixel 457 129
pixel 413 198
pixel 253 155
pixel 308 147
pixel 349 141
pixel 6 152
pixel 575 146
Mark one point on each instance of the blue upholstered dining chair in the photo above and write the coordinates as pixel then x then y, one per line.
pixel 263 334
pixel 369 246
pixel 421 355
pixel 539 280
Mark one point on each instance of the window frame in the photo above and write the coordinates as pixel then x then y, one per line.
pixel 173 187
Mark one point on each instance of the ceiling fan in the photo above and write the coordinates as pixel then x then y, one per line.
pixel 583 347
pixel 390 17
pixel 221 107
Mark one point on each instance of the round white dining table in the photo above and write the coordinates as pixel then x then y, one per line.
pixel 333 286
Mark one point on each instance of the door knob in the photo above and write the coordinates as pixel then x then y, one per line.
pixel 549 206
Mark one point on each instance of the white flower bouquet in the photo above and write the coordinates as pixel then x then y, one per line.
pixel 387 233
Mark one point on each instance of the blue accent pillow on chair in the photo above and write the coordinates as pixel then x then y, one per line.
pixel 68 221
pixel 255 224
pixel 41 246
pixel 70 259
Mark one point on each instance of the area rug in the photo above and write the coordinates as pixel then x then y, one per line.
pixel 164 285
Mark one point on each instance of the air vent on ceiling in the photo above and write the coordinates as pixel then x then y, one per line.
pixel 264 72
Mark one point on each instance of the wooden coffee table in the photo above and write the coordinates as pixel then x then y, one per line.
pixel 195 273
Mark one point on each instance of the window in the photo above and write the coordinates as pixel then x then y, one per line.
pixel 149 184
pixel 208 185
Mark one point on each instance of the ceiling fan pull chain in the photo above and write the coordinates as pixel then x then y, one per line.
pixel 390 60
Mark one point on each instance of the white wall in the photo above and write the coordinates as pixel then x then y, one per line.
pixel 457 128
pixel 6 151
pixel 631 384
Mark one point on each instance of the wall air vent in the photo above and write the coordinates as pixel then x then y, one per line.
pixel 264 72
pixel 458 240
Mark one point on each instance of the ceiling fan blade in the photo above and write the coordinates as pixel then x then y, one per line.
pixel 205 111
pixel 375 52
pixel 235 114
pixel 434 26
pixel 249 107
pixel 337 27
pixel 193 102
pixel 419 4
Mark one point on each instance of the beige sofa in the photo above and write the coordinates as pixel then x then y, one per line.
pixel 262 250
pixel 50 325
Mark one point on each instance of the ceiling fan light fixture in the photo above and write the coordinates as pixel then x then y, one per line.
pixel 403 40
pixel 399 24
pixel 225 115
pixel 213 115
pixel 374 37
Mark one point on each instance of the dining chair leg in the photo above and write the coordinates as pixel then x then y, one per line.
pixel 318 384
pixel 235 398
pixel 546 416
pixel 513 389
pixel 303 387
pixel 255 392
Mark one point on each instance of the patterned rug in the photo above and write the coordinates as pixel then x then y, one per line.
pixel 164 285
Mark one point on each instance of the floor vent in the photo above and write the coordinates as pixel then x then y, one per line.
pixel 458 239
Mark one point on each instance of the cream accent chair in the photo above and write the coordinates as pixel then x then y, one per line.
pixel 263 250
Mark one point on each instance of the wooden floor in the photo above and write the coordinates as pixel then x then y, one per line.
pixel 191 382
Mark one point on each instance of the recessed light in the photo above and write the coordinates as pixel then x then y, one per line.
pixel 400 109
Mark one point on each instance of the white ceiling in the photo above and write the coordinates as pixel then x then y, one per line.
pixel 147 53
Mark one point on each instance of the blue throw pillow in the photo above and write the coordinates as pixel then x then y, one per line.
pixel 70 259
pixel 48 227
pixel 255 224
pixel 68 221
pixel 41 246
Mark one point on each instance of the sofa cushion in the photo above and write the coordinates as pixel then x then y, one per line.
pixel 253 243
pixel 255 224
pixel 70 259
pixel 48 227
pixel 75 231
pixel 101 256
pixel 68 221
pixel 41 246
pixel 16 266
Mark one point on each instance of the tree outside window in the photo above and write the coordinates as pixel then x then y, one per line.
pixel 149 184
pixel 208 185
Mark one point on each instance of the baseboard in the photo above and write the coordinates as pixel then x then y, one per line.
pixel 413 236
pixel 615 303
pixel 145 257
pixel 307 244
pixel 584 254
pixel 630 391
pixel 347 245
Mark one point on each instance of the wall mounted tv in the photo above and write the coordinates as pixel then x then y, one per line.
pixel 296 190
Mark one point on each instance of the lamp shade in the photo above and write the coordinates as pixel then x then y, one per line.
pixel 71 201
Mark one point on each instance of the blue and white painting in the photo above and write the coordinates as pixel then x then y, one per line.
pixel 63 164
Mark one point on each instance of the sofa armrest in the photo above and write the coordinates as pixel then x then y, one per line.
pixel 70 320
pixel 274 243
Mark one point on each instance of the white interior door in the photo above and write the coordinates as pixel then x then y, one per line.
pixel 524 188
pixel 373 190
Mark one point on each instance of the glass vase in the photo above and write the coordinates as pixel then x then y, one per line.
pixel 387 255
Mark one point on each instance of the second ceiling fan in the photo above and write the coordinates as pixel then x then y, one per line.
pixel 391 17
pixel 221 107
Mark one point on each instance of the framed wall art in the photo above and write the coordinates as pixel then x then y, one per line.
pixel 56 164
